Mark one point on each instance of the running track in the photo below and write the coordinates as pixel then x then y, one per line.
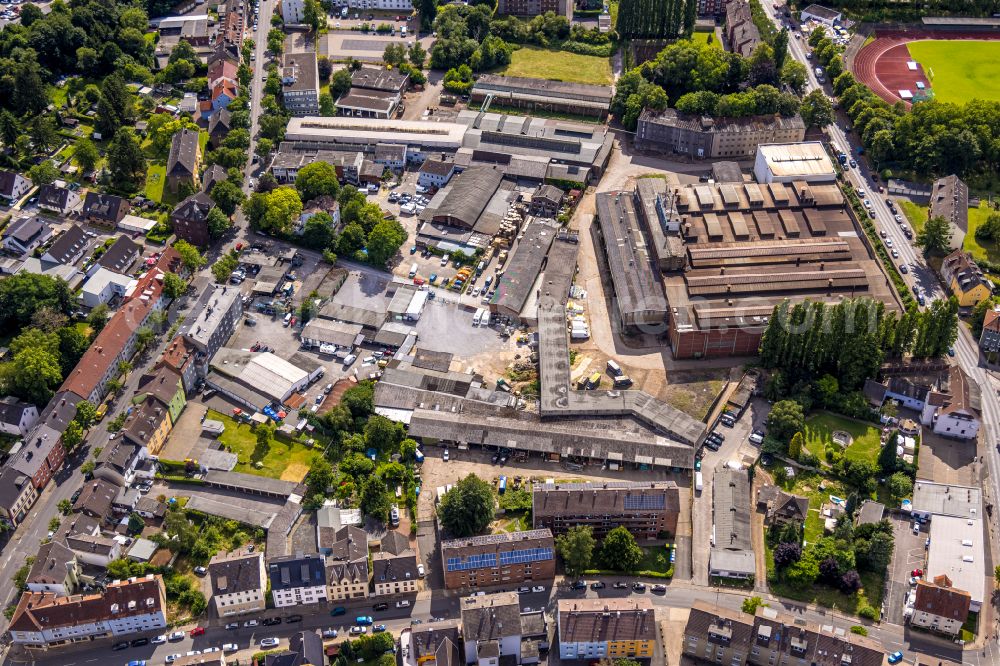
pixel 881 64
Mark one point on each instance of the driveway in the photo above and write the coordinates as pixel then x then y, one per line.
pixel 908 555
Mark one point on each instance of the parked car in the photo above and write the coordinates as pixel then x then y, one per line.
pixel 178 635
pixel 171 658
pixel 380 606
pixel 329 633
pixel 538 588
pixel 201 571
pixel 230 647
pixel 620 585
pixel 293 618
pixel 357 630
pixel 268 642
pixel 271 621
pixel 121 645
pixel 659 589
pixel 405 603
pixel 339 610
pixel 197 631
pixel 250 623
pixel 420 570
pixel 579 585
pixel 140 642
pixel 639 587
pixel 896 657
pixel 523 590
pixel 599 585
pixel 159 640
pixel 378 628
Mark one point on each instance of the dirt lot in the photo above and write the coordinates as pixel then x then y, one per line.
pixel 436 473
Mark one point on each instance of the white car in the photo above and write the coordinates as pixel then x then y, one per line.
pixel 420 570
pixel 350 358
pixel 211 650
pixel 176 636
pixel 405 603
pixel 230 647
pixel 250 623
pixel 445 455
pixel 538 588
pixel 159 640
pixel 171 658
pixel 269 642
pixel 192 653
pixel 329 633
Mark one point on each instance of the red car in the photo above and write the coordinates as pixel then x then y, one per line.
pixel 197 631
pixel 917 572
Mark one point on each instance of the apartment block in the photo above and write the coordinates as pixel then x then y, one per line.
pixel 531 8
pixel 705 137
pixel 595 629
pixel 239 583
pixel 297 580
pixel 128 607
pixel 646 509
pixel 940 607
pixel 498 559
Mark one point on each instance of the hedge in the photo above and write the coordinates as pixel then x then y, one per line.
pixel 669 573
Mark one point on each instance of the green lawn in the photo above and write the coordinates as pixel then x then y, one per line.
pixel 156 176
pixel 962 69
pixel 58 94
pixel 559 66
pixel 819 432
pixel 285 459
pixel 706 36
pixel 915 214
pixel 656 558
pixel 807 485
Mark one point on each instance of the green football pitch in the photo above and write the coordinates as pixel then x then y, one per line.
pixel 960 70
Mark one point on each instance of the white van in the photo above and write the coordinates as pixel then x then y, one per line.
pixel 614 368
pixel 478 317
pixel 288 318
pixel 413 271
pixel 402 31
pixel 698 481
pixel 444 259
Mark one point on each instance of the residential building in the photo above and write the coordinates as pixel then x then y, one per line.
pixel 300 84
pixel 507 559
pixel 103 286
pixel 164 384
pixel 534 95
pixel 17 495
pixel 213 175
pixel 68 247
pixel 57 199
pixel 104 209
pixel 705 137
pixel 958 550
pixel 821 14
pixel 595 629
pixel 435 173
pixel 94 549
pixel 213 320
pixel 148 425
pixel 13 185
pixel 124 608
pixel 647 509
pixel 239 583
pixel 989 339
pixel 965 279
pixel 150 507
pixel 222 70
pixel 184 161
pixel 793 162
pixel 292 11
pixel 96 499
pixel 781 507
pixel 945 406
pixel 491 627
pixel 731 554
pixel 17 417
pixel 394 566
pixel 117 340
pixel 190 219
pixel 41 455
pixel 297 580
pixel 54 570
pixel 950 200
pixel 940 607
pixel 219 124
pixel 223 93
pixel 391 156
pixel 347 564
pixel 742 36
pixel 118 461
pixel 385 5
pixel 530 8
pixel 121 256
pixel 712 8
pixel 22 236
pixel 435 644
pixel 718 635
pixel 180 357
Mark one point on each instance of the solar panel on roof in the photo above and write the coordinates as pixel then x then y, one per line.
pixel 645 502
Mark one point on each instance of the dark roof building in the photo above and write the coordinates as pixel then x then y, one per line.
pixel 105 209
pixel 213 175
pixel 475 562
pixel 622 627
pixel 57 199
pixel 184 160
pixel 24 235
pixel 950 200
pixel 297 579
pixel 69 247
pixel 121 255
pixel 647 509
pixel 219 124
pixel 543 95
pixel 782 507
pixel 379 78
pixel 732 556
pixel 190 218
pixel 96 499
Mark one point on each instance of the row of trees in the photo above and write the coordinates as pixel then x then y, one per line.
pixel 656 19
pixel 579 550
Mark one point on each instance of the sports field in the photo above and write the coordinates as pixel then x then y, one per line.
pixel 559 66
pixel 962 69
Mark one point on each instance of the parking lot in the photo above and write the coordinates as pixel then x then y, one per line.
pixel 344 42
pixel 908 555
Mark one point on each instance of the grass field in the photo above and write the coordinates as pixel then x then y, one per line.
pixel 819 432
pixel 962 69
pixel 156 176
pixel 917 215
pixel 285 459
pixel 559 66
pixel 706 37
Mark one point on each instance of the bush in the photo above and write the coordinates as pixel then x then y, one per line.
pixel 868 613
pixel 859 630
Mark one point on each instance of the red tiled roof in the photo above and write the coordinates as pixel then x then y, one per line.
pixel 222 69
pixel 84 378
pixel 178 355
pixel 42 610
pixel 941 599
pixel 224 87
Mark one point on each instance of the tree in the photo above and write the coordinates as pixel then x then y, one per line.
pixel 43 133
pixel 274 211
pixel 888 460
pixel 795 446
pixel 125 160
pixel 191 258
pixel 275 41
pixel 33 375
pixel 318 231
pixel 780 46
pixel 264 434
pixel 116 108
pixel 794 75
pixel 816 109
pixel 174 285
pixel 264 148
pixel 786 553
pixel 85 154
pixel 24 294
pixel 224 267
pixel 428 12
pixel 218 222
pixel 786 419
pixel 43 173
pixel 324 67
pixel 351 239
pixel 394 54
pixel 990 229
pixel 384 241
pixel 900 486
pixel 327 107
pixel 87 468
pixel 850 582
pixel 72 436
pixel 935 238
pixel 313 15
pixel 86 413
pixel 54 524
pixel 996 574
pixel 468 508
pixel 619 551
pixel 65 507
pixel 317 179
pixel 417 55
pixel 340 82
pixel 227 195
pixel 751 604
pixel 135 523
pixel 382 434
pixel 374 499
pixel 576 548
pixel 319 479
